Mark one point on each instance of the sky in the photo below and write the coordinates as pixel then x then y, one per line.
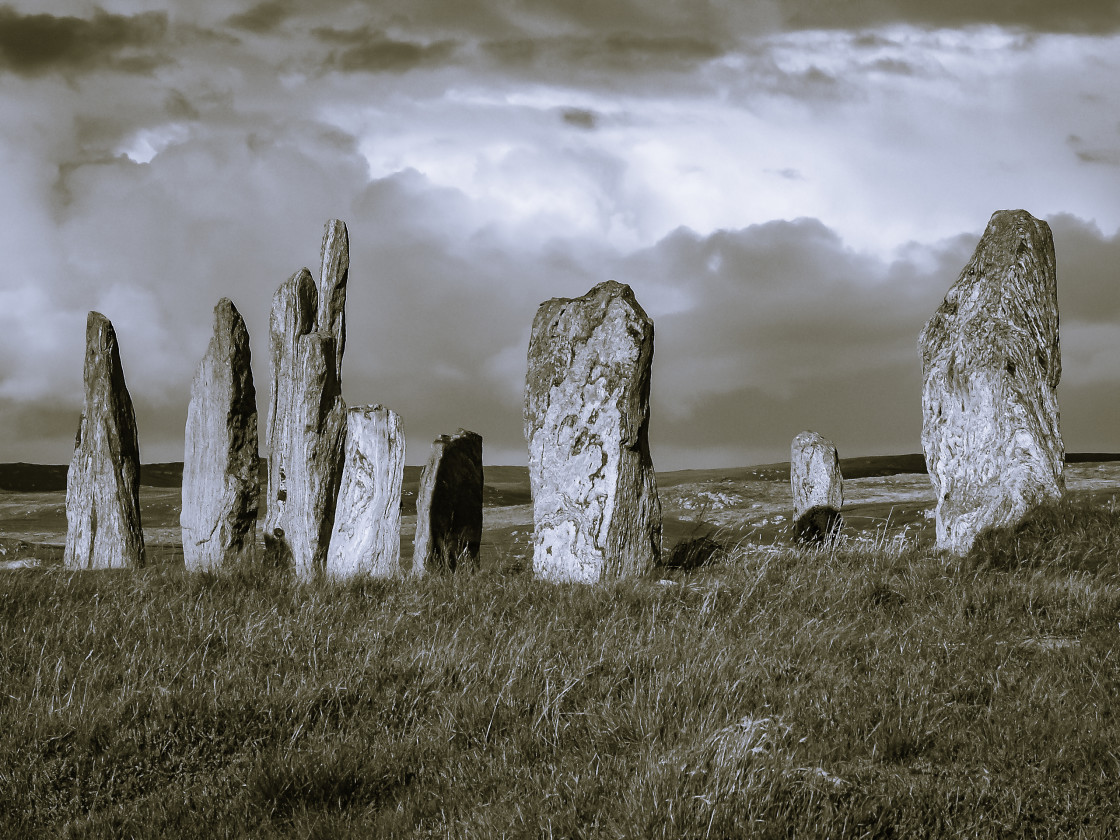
pixel 790 187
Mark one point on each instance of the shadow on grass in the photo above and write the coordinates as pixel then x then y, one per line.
pixel 1068 535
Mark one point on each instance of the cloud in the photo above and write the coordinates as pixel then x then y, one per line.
pixel 263 17
pixel 372 51
pixel 35 44
pixel 1081 16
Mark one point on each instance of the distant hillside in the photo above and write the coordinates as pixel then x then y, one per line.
pixel 507 485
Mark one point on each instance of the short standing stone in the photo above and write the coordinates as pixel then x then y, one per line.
pixel 220 478
pixel 367 525
pixel 818 486
pixel 103 483
pixel 991 364
pixel 449 505
pixel 595 507
pixel 307 425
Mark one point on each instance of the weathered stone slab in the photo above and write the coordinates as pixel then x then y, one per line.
pixel 366 538
pixel 306 428
pixel 334 271
pixel 103 483
pixel 991 364
pixel 814 472
pixel 449 505
pixel 595 507
pixel 220 479
pixel 818 487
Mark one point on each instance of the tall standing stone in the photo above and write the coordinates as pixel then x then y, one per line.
pixel 991 364
pixel 103 484
pixel 220 478
pixel 818 486
pixel 595 508
pixel 334 271
pixel 366 538
pixel 449 505
pixel 307 415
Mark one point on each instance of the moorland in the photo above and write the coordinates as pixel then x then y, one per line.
pixel 869 688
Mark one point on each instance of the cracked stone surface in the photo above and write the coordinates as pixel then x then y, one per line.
pixel 366 538
pixel 307 415
pixel 220 478
pixel 991 364
pixel 595 506
pixel 103 483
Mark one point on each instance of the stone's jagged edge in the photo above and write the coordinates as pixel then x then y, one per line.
pixel 815 476
pixel 220 477
pixel 103 482
pixel 307 415
pixel 562 330
pixel 991 362
pixel 449 505
pixel 334 271
pixel 366 530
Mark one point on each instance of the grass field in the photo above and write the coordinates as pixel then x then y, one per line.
pixel 874 689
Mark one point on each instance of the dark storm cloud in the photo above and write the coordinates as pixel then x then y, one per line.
pixel 263 17
pixel 1080 16
pixel 580 118
pixel 35 44
pixel 369 50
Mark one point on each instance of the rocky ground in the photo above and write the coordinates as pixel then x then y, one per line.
pixel 751 505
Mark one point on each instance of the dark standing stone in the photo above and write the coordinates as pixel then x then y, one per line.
pixel 991 364
pixel 449 505
pixel 103 483
pixel 220 478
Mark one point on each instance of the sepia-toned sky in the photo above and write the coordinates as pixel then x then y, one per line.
pixel 790 187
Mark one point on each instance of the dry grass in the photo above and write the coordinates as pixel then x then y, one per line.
pixel 866 689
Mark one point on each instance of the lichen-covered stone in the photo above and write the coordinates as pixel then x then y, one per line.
pixel 306 429
pixel 595 507
pixel 366 538
pixel 103 483
pixel 814 473
pixel 449 505
pixel 991 364
pixel 220 479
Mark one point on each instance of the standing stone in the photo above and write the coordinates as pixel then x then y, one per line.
pixel 103 484
pixel 220 479
pixel 449 505
pixel 991 365
pixel 367 525
pixel 334 258
pixel 307 415
pixel 595 508
pixel 818 487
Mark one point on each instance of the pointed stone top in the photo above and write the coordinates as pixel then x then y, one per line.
pixel 99 331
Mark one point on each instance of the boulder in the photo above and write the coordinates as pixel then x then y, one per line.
pixel 991 364
pixel 103 483
pixel 449 505
pixel 220 478
pixel 818 487
pixel 595 508
pixel 366 538
pixel 306 429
